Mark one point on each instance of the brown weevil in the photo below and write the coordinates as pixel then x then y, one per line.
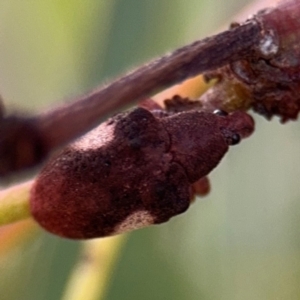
pixel 134 170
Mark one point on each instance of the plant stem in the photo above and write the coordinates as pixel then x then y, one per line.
pixel 14 203
pixel 183 63
pixel 45 132
pixel 91 275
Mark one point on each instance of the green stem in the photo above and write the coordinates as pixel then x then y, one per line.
pixel 14 203
pixel 91 275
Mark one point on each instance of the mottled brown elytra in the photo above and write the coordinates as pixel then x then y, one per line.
pixel 134 170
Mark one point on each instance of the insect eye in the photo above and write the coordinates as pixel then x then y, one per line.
pixel 220 112
pixel 235 139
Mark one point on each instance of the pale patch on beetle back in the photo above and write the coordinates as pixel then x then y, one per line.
pixel 93 140
pixel 136 220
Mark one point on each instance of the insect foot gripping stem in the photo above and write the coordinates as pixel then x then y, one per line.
pixel 132 171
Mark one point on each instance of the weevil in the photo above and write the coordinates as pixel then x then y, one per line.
pixel 134 170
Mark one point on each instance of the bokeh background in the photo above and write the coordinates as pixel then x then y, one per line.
pixel 240 242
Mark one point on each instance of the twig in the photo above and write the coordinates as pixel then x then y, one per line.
pixel 41 134
pixel 183 63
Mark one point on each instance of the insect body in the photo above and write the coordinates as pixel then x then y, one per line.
pixel 134 170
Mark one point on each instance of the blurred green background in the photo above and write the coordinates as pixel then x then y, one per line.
pixel 241 242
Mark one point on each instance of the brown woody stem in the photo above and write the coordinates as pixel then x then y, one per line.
pixel 71 120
